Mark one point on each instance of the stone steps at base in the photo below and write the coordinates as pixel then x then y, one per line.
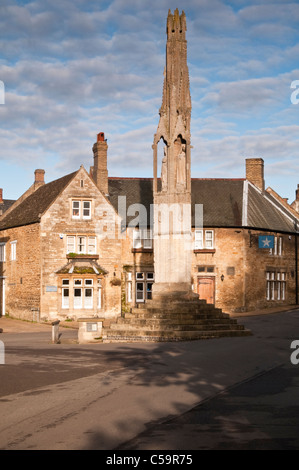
pixel 181 309
pixel 176 315
pixel 158 336
pixel 173 325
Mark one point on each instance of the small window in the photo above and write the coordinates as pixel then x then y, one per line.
pixel 2 252
pixel 88 282
pixel 13 251
pixel 198 240
pixel 78 282
pixel 76 210
pixel 209 239
pixel 65 282
pixel 88 297
pixel 77 298
pixel 71 244
pixel 140 292
pixel 150 276
pixel 65 297
pixel 210 269
pixel 86 209
pixel 139 276
pixel 137 239
pixel 91 245
pixel 81 244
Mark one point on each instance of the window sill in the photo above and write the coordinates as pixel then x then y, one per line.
pixel 142 250
pixel 82 256
pixel 205 250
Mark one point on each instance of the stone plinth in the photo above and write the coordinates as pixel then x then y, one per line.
pixel 90 329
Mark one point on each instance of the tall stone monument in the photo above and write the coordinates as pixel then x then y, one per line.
pixel 174 313
pixel 172 193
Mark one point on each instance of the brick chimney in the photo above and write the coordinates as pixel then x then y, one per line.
pixel 1 196
pixel 100 171
pixel 39 178
pixel 255 172
pixel 295 204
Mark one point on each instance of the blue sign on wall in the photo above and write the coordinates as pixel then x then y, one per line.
pixel 266 241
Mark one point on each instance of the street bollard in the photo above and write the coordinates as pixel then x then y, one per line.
pixel 55 332
pixel 2 353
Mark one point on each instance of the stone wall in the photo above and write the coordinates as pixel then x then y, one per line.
pixel 22 275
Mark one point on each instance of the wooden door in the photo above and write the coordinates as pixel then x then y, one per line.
pixel 206 289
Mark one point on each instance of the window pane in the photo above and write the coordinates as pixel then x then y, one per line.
pixel 88 282
pixel 81 244
pixel 71 248
pixel 137 239
pixel 86 209
pixel 65 298
pixel 99 297
pixel 78 282
pixel 209 239
pixel 77 298
pixel 88 299
pixel 140 291
pixel 91 245
pixel 198 240
pixel 76 209
pixel 65 282
pixel 140 276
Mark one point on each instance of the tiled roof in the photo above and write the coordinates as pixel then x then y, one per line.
pixel 30 210
pixel 264 211
pixel 5 205
pixel 222 201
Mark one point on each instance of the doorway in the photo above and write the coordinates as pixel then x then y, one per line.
pixel 206 289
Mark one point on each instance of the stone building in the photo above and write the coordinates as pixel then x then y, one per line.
pixel 74 247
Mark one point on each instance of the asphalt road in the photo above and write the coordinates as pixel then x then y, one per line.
pixel 228 393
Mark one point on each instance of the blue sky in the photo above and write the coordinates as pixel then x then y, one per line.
pixel 74 68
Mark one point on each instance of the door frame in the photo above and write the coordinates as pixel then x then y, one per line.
pixel 213 278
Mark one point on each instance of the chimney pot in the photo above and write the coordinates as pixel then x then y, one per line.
pixel 101 137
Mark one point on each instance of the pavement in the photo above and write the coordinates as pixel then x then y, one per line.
pixel 227 393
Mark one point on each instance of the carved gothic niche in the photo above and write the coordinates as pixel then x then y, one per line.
pixel 181 162
pixel 164 165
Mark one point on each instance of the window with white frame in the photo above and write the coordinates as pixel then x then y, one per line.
pixel 99 294
pixel 203 239
pixel 278 246
pixel 13 251
pixel 275 285
pixel 81 244
pixel 2 252
pixel 143 287
pixel 142 238
pixel 82 293
pixel 81 209
pixel 65 293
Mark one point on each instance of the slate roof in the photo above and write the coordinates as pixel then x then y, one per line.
pixel 5 205
pixel 223 203
pixel 30 210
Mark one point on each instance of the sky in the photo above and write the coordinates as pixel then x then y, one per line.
pixel 74 68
